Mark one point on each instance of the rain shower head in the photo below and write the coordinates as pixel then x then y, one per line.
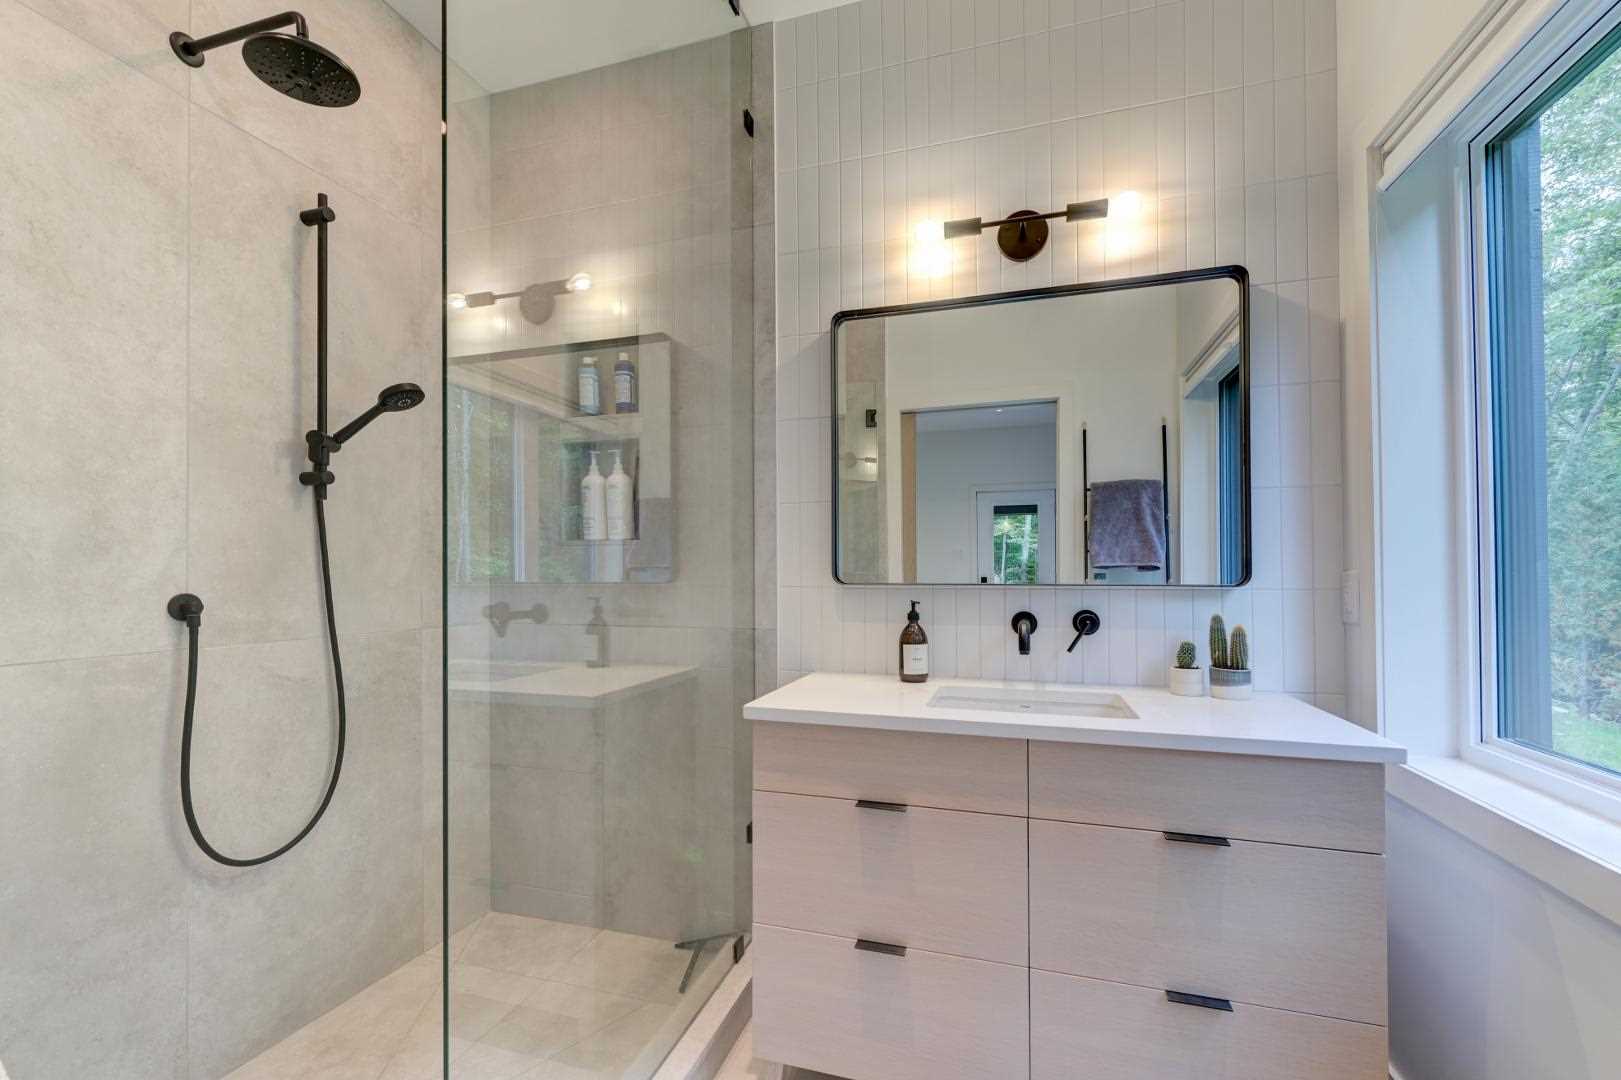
pixel 290 64
pixel 302 70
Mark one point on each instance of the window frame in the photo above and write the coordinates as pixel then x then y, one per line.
pixel 1561 46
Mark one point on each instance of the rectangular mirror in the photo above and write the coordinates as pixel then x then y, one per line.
pixel 1087 434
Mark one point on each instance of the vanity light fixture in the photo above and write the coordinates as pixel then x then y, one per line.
pixel 537 302
pixel 1021 236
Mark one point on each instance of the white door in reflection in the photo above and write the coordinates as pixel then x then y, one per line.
pixel 1015 535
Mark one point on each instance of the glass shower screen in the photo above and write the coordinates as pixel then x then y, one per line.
pixel 599 532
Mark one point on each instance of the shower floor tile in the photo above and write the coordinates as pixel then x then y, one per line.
pixel 531 999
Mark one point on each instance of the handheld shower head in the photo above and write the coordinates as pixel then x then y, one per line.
pixel 290 64
pixel 397 398
pixel 401 396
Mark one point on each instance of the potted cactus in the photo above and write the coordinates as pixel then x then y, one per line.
pixel 1229 661
pixel 1186 678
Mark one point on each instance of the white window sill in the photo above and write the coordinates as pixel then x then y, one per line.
pixel 1569 850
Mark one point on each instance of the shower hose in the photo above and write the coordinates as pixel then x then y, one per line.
pixel 192 616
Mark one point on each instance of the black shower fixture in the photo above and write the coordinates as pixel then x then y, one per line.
pixel 188 608
pixel 397 398
pixel 291 64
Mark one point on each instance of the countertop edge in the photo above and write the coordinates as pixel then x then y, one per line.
pixel 1152 740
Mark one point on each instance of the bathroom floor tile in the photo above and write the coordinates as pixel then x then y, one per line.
pixel 641 967
pixel 531 999
pixel 524 945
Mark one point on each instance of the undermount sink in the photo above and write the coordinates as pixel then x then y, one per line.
pixel 1050 702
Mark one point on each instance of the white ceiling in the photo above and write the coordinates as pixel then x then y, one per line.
pixel 980 417
pixel 508 43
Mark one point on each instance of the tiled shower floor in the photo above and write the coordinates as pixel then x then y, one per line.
pixel 530 999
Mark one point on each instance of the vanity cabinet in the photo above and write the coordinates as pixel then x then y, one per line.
pixel 946 905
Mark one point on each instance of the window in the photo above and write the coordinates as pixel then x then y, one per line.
pixel 1015 538
pixel 1551 409
pixel 481 459
pixel 1015 535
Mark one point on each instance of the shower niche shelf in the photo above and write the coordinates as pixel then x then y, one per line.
pixel 551 444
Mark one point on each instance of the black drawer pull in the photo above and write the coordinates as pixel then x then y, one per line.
pixel 1196 838
pixel 871 804
pixel 1176 997
pixel 880 947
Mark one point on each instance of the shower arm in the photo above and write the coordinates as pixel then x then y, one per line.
pixel 191 49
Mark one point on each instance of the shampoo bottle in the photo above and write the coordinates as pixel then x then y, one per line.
pixel 590 387
pixel 624 385
pixel 593 503
pixel 620 520
pixel 914 649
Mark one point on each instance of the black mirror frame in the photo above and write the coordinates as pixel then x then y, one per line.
pixel 1235 273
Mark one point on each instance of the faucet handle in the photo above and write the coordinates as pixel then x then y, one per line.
pixel 1086 623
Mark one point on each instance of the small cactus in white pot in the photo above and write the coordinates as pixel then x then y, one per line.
pixel 1230 662
pixel 1186 677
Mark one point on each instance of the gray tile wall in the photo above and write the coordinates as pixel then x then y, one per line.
pixel 157 321
pixel 1220 113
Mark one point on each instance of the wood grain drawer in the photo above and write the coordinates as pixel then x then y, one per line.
pixel 1331 804
pixel 822 1004
pixel 1287 927
pixel 942 880
pixel 1111 1031
pixel 953 772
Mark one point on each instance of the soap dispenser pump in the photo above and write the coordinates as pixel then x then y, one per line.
pixel 914 649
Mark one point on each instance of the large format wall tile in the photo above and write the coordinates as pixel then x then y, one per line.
pixel 373 147
pixel 138 436
pixel 93 887
pixel 262 942
pixel 92 328
pixel 134 31
pixel 253 378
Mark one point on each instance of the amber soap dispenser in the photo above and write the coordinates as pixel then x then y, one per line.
pixel 914 649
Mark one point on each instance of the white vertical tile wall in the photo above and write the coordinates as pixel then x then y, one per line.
pixel 1220 114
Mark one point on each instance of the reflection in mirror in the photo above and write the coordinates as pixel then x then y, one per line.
pixel 1093 434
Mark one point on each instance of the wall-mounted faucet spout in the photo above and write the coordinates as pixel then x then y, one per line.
pixel 1024 624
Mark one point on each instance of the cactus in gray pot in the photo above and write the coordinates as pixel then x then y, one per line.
pixel 1238 657
pixel 1187 657
pixel 1218 642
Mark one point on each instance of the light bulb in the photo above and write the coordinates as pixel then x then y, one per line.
pixel 457 301
pixel 580 282
pixel 930 256
pixel 1127 205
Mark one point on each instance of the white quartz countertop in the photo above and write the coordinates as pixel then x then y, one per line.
pixel 565 685
pixel 1268 725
